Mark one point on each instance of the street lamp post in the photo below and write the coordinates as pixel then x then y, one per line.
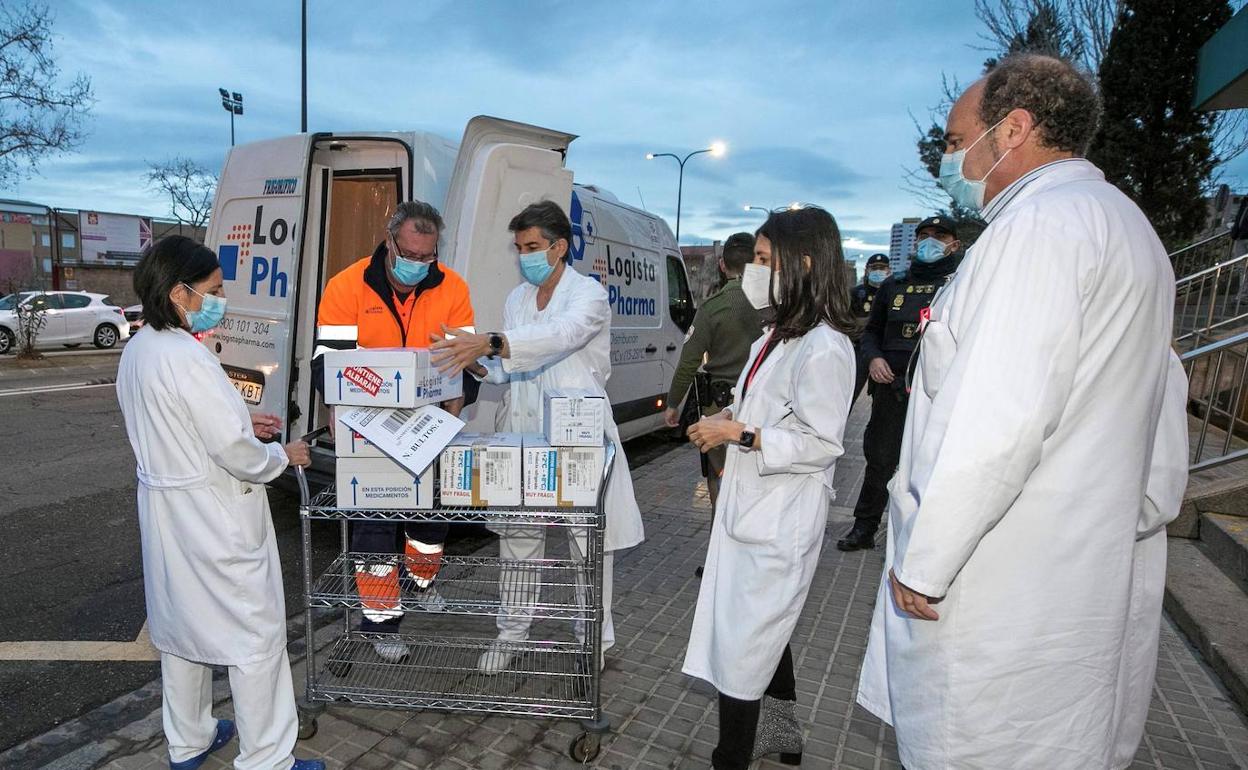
pixel 231 102
pixel 303 72
pixel 715 150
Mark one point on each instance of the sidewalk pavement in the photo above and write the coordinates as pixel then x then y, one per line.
pixel 664 719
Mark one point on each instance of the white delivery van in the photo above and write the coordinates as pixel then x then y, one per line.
pixel 292 212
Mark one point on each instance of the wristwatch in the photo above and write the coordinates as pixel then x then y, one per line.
pixel 747 439
pixel 496 344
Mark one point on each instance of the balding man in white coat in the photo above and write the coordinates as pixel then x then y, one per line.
pixel 1045 450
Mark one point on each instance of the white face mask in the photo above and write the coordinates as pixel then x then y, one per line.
pixel 756 283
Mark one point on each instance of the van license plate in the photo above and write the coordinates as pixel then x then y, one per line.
pixel 250 391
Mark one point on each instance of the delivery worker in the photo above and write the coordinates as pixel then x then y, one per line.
pixel 556 334
pixel 395 298
pixel 721 335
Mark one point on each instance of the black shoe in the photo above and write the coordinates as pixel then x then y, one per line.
pixel 861 537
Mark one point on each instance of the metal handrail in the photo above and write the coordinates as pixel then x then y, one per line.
pixel 1220 393
pixel 1200 243
pixel 1211 269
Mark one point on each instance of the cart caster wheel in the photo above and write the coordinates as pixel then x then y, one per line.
pixel 585 747
pixel 307 727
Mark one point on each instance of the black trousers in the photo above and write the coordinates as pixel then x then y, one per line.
pixel 384 537
pixel 881 446
pixel 738 719
pixel 860 375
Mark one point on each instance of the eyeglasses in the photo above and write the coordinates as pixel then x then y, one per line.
pixel 398 252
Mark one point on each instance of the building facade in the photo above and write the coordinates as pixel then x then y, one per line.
pixel 901 244
pixel 42 247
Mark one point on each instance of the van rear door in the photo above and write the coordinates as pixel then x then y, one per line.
pixel 501 167
pixel 255 231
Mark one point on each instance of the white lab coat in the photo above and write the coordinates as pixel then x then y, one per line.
pixel 771 512
pixel 210 564
pixel 565 345
pixel 1021 489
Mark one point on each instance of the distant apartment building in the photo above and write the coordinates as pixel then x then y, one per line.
pixel 901 244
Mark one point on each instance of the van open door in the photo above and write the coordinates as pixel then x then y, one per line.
pixel 502 166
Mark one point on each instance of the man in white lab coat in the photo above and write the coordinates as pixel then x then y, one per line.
pixel 1017 620
pixel 556 334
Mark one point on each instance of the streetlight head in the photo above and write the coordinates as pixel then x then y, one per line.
pixel 746 207
pixel 649 156
pixel 237 96
pixel 224 94
pixel 794 206
pixel 238 109
pixel 718 149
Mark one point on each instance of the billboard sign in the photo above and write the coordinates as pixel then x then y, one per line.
pixel 112 235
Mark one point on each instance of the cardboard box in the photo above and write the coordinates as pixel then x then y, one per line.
pixel 379 482
pixel 482 470
pixel 386 377
pixel 411 437
pixel 349 442
pixel 574 418
pixel 560 476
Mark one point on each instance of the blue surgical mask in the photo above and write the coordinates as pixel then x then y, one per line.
pixel 535 268
pixel 409 272
pixel 967 193
pixel 209 314
pixel 876 277
pixel 929 250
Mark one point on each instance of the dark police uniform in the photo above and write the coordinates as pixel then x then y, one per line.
pixel 723 330
pixel 892 333
pixel 861 298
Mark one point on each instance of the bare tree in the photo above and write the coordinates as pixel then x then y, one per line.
pixel 1089 25
pixel 31 318
pixel 190 188
pixel 38 116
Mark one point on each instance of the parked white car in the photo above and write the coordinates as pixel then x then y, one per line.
pixel 71 318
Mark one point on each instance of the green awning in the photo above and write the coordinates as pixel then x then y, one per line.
pixel 1222 69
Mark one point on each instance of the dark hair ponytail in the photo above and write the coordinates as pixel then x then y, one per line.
pixel 809 295
pixel 164 264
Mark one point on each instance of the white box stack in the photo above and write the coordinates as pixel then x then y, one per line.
pixel 560 476
pixel 482 470
pixel 386 377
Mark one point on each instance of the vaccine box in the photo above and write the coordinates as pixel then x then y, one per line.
pixel 574 418
pixel 386 377
pixel 379 482
pixel 482 470
pixel 411 437
pixel 560 476
pixel 348 442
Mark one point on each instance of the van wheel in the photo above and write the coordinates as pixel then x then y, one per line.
pixel 6 341
pixel 105 336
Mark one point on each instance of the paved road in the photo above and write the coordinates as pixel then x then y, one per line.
pixel 69 558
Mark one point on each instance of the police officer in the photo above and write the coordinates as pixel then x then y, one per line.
pixel 723 329
pixel 888 341
pixel 860 301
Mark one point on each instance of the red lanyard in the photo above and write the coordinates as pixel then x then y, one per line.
pixel 758 362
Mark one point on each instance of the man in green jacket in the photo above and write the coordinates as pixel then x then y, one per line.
pixel 719 341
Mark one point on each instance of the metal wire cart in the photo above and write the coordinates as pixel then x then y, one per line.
pixel 552 676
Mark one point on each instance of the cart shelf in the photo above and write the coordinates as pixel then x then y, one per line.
pixel 469 585
pixel 546 679
pixel 325 506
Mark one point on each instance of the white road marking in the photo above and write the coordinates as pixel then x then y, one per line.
pixel 55 388
pixel 140 649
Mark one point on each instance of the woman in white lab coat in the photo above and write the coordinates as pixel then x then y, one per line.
pixel 784 433
pixel 211 573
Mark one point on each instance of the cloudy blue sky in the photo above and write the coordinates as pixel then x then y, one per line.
pixel 812 99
